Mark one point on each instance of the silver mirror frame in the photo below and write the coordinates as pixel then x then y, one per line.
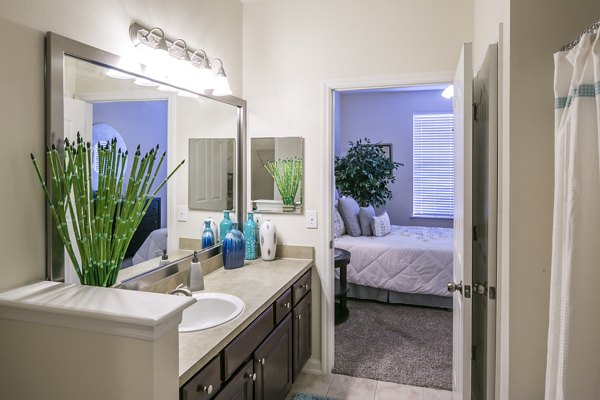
pixel 57 47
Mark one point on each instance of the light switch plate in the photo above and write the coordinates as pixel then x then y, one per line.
pixel 182 213
pixel 311 219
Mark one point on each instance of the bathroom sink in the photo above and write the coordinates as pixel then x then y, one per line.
pixel 210 310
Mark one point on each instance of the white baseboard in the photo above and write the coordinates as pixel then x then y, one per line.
pixel 313 365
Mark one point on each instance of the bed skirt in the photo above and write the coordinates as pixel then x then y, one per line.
pixel 390 296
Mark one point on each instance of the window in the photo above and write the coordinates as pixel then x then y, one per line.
pixel 433 165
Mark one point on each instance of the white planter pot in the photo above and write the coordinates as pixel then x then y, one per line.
pixel 268 240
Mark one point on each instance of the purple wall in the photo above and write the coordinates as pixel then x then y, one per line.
pixel 139 122
pixel 386 117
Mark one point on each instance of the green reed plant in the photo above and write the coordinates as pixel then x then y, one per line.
pixel 287 174
pixel 102 223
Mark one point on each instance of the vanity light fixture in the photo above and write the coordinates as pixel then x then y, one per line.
pixel 221 83
pixel 205 77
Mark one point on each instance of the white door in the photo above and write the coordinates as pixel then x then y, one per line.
pixel 463 149
pixel 485 205
pixel 208 180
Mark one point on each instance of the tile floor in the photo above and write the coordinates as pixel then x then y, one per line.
pixel 342 387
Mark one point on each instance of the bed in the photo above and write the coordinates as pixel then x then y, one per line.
pixel 410 265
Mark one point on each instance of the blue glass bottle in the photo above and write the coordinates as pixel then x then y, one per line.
pixel 208 236
pixel 225 225
pixel 250 234
pixel 234 248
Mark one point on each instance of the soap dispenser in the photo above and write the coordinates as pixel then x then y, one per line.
pixel 164 260
pixel 195 276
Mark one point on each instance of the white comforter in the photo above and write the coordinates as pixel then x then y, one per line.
pixel 411 259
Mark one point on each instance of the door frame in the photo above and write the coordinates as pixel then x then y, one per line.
pixel 326 258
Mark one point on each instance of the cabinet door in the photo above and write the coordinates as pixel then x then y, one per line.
pixel 302 334
pixel 241 386
pixel 273 364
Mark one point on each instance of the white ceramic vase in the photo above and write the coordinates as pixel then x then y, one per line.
pixel 268 240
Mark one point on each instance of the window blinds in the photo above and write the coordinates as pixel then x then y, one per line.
pixel 433 165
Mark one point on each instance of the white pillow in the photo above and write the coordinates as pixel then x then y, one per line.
pixel 381 225
pixel 339 228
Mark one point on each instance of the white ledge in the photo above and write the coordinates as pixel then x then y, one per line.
pixel 121 312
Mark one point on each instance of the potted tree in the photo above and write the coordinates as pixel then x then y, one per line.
pixel 365 172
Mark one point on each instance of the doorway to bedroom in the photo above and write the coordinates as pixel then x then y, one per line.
pixel 393 234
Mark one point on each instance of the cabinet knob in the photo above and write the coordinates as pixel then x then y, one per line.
pixel 305 286
pixel 288 305
pixel 262 361
pixel 208 389
pixel 299 316
pixel 250 376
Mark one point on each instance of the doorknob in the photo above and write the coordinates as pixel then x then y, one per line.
pixel 453 287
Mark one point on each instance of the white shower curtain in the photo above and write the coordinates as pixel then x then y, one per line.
pixel 573 367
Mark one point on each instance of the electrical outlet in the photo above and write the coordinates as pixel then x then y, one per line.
pixel 311 219
pixel 182 213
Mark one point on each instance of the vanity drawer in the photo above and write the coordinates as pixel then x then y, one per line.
pixel 205 384
pixel 301 287
pixel 242 346
pixel 283 306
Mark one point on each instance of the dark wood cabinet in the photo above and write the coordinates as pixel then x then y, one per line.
pixel 241 386
pixel 205 384
pixel 302 334
pixel 264 359
pixel 273 364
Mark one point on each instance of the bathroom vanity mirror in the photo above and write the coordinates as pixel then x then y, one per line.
pixel 265 194
pixel 92 92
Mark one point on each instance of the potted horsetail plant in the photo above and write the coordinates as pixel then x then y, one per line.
pixel 287 174
pixel 96 227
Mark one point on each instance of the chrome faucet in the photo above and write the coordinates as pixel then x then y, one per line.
pixel 181 289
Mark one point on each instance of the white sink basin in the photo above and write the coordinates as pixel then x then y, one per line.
pixel 210 309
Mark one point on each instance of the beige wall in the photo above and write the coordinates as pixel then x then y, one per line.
pixel 214 25
pixel 291 48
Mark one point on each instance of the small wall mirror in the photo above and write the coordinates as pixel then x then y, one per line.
pixel 266 196
pixel 89 91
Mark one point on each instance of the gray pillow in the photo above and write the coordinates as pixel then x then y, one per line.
pixel 365 217
pixel 339 228
pixel 349 209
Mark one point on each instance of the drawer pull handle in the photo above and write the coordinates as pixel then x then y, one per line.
pixel 287 305
pixel 208 389
pixel 300 316
pixel 305 286
pixel 262 361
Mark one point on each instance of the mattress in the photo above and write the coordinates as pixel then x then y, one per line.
pixel 410 259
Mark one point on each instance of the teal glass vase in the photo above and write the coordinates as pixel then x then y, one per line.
pixel 250 228
pixel 225 225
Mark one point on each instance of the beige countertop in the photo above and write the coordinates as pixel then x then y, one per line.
pixel 259 283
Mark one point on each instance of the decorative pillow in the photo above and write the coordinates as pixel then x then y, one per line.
pixel 339 228
pixel 349 209
pixel 381 225
pixel 365 217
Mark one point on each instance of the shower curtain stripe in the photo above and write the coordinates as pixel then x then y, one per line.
pixel 573 363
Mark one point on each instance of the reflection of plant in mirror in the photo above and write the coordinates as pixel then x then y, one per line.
pixel 287 174
pixel 96 227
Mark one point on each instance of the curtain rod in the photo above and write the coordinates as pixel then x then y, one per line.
pixel 591 29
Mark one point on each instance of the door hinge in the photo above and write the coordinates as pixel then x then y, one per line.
pixel 475 108
pixel 474 233
pixel 492 293
pixel 331 244
pixel 467 291
pixel 473 352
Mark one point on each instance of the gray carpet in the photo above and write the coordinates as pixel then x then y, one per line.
pixel 395 343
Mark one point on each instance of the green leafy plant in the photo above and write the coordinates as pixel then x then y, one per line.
pixel 364 173
pixel 287 174
pixel 102 223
